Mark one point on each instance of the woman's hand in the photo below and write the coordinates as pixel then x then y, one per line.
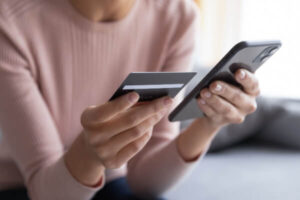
pixel 113 133
pixel 224 104
pixel 116 131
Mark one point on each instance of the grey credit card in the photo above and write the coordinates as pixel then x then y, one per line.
pixel 152 85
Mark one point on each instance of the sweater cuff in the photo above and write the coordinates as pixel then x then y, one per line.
pixel 74 189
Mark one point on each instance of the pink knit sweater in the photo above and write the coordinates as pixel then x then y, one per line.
pixel 54 63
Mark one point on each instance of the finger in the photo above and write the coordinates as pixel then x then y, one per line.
pixel 225 111
pixel 234 95
pixel 249 81
pixel 121 140
pixel 133 117
pixel 133 148
pixel 208 111
pixel 95 114
pixel 219 105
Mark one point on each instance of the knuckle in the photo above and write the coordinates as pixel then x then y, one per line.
pixel 208 113
pixel 132 119
pixel 148 123
pixel 226 110
pixel 239 120
pixel 148 135
pixel 135 147
pixel 154 119
pixel 252 107
pixel 236 97
pixel 228 116
pixel 137 131
pixel 156 107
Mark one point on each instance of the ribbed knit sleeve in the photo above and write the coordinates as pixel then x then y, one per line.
pixel 28 128
pixel 159 166
pixel 54 63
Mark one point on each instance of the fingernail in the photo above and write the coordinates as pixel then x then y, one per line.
pixel 207 94
pixel 218 88
pixel 242 74
pixel 202 101
pixel 168 101
pixel 133 97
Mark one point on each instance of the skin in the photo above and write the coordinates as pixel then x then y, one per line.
pixel 116 131
pixel 103 10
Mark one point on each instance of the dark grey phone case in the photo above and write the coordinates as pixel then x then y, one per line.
pixel 152 85
pixel 248 55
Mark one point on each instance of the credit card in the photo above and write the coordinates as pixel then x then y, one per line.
pixel 152 85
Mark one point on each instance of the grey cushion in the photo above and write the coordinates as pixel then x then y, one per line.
pixel 248 172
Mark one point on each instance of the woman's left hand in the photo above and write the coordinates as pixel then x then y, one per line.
pixel 224 104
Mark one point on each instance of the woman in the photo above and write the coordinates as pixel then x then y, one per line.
pixel 60 62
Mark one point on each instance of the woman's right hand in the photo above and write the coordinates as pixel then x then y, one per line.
pixel 117 130
pixel 112 134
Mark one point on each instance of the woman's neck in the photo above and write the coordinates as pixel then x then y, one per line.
pixel 103 10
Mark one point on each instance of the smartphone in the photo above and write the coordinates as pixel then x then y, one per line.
pixel 152 85
pixel 246 54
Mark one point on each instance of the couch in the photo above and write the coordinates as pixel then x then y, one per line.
pixel 257 160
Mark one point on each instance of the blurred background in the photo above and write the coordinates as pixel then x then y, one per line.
pixel 264 158
pixel 223 23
